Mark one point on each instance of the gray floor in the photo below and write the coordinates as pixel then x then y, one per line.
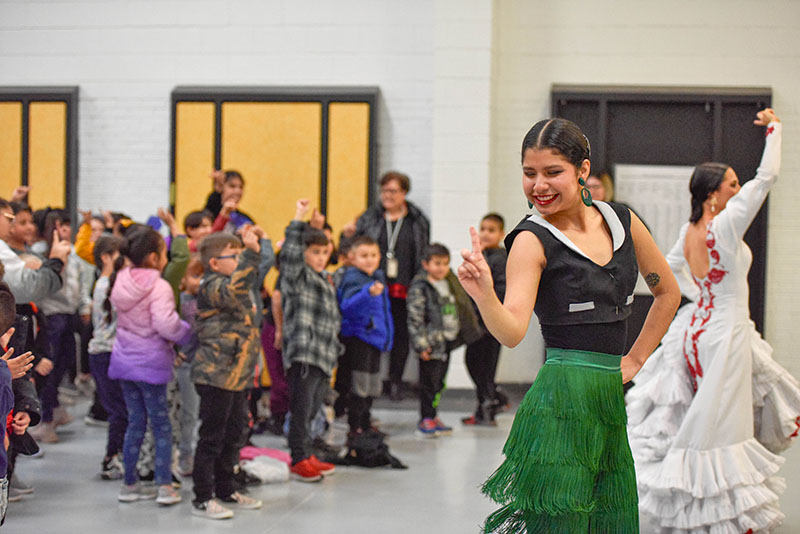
pixel 437 494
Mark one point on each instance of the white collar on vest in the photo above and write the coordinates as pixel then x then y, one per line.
pixel 608 213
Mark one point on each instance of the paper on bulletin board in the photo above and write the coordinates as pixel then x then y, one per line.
pixel 660 196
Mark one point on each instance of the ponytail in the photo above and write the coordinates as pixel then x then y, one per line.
pixel 108 244
pixel 107 308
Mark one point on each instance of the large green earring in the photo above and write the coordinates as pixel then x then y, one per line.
pixel 586 195
pixel 530 205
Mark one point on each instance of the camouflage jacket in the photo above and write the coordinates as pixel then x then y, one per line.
pixel 226 327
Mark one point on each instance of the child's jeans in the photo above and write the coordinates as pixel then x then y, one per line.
pixel 223 425
pixel 113 401
pixel 147 401
pixel 60 333
pixel 307 387
pixel 190 404
pixel 431 383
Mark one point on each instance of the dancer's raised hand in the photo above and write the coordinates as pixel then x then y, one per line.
pixel 766 116
pixel 474 273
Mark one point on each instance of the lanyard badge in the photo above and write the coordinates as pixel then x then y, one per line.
pixel 392 266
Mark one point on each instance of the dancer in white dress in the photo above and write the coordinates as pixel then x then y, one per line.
pixel 711 408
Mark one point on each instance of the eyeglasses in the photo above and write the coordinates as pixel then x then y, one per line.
pixel 390 191
pixel 226 256
pixel 9 216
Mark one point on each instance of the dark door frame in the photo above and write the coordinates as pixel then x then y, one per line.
pixel 324 95
pixel 68 95
pixel 715 100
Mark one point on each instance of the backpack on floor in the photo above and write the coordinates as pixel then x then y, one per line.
pixel 369 450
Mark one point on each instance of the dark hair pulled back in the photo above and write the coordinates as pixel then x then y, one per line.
pixel 561 135
pixel 706 178
pixel 108 244
pixel 141 243
pixel 137 245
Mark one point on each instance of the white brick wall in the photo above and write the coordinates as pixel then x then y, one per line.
pixel 714 42
pixel 127 56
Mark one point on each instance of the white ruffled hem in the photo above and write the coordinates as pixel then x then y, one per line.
pixel 761 521
pixel 708 473
pixel 682 511
pixel 776 399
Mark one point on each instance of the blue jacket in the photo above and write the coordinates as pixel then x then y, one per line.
pixel 363 316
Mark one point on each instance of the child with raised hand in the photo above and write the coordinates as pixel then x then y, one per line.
pixel 142 359
pixel 482 355
pixel 59 308
pixel 311 336
pixel 109 256
pixel 440 318
pixel 367 330
pixel 224 368
pixel 197 225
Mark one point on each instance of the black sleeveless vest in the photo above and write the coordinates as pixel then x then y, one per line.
pixel 574 290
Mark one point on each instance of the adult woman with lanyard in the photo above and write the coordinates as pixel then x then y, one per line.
pixel 568 467
pixel 402 232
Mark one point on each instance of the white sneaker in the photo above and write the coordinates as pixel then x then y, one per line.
pixel 245 502
pixel 20 486
pixel 136 492
pixel 44 433
pixel 61 416
pixel 211 509
pixel 168 495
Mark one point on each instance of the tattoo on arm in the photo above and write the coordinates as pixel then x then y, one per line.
pixel 652 279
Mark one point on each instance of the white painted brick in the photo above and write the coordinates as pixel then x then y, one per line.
pixel 460 63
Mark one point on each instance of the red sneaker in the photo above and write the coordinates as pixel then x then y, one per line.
pixel 325 468
pixel 305 471
pixel 474 421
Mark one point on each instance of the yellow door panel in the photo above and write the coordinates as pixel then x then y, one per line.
pixel 47 153
pixel 194 156
pixel 276 147
pixel 10 147
pixel 348 162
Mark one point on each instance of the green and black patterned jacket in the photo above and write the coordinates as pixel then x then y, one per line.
pixel 425 324
pixel 227 327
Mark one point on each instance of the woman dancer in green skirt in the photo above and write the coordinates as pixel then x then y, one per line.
pixel 568 467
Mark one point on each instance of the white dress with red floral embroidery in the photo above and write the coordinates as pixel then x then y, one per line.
pixel 711 408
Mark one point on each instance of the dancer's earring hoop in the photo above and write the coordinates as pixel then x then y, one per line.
pixel 586 195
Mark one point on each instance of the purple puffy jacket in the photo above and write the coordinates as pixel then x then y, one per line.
pixel 147 324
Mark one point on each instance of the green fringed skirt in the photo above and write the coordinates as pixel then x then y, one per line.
pixel 568 466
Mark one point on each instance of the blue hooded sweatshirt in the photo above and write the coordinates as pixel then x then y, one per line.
pixel 363 316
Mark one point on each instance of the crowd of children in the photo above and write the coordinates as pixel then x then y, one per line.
pixel 179 327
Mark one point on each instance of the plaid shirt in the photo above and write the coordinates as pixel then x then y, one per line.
pixel 311 319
